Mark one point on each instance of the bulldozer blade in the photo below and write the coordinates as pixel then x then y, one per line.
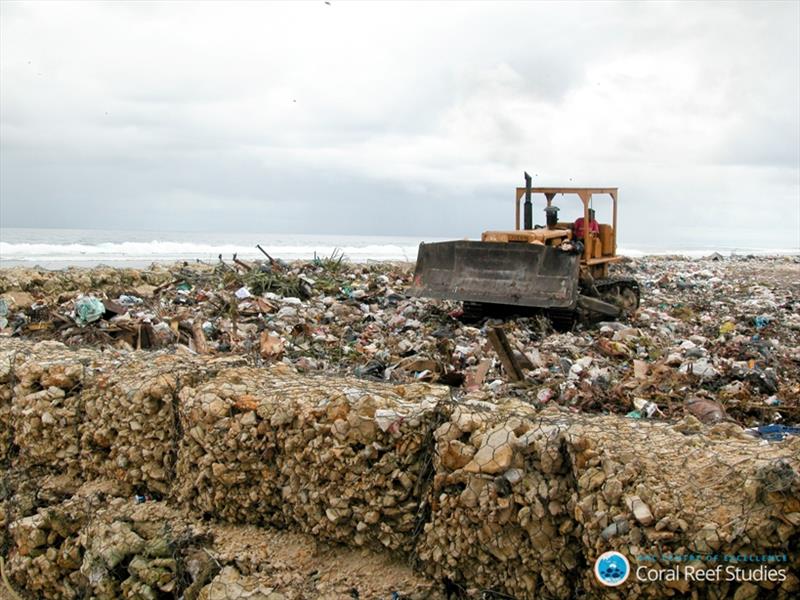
pixel 497 273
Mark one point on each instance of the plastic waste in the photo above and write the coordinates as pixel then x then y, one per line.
pixel 707 411
pixel 242 293
pixel 358 320
pixel 127 300
pixel 773 433
pixel 762 321
pixel 387 418
pixel 565 364
pixel 373 368
pixel 701 367
pixel 357 294
pixel 3 313
pixel 88 310
pixel 646 408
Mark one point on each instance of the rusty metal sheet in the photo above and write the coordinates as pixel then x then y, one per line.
pixel 497 273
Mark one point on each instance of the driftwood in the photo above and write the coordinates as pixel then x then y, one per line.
pixel 500 343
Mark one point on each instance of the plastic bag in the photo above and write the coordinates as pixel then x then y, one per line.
pixel 88 310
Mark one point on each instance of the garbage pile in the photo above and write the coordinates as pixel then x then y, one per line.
pixel 715 337
pixel 494 497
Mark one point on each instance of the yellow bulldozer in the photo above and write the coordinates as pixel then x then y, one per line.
pixel 559 268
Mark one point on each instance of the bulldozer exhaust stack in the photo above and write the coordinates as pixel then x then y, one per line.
pixel 528 203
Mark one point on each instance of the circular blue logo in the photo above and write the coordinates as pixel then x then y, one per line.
pixel 612 568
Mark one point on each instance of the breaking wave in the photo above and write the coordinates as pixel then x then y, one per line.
pixel 58 248
pixel 161 251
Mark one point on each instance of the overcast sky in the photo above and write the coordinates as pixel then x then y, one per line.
pixel 400 118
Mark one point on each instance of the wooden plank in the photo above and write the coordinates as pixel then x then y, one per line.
pixel 500 344
pixel 200 344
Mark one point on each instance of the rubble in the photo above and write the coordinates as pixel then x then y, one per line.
pixel 226 465
pixel 502 521
pixel 499 497
pixel 103 545
pixel 46 408
pixel 575 487
pixel 47 556
pixel 231 584
pixel 7 358
pixel 726 329
pixel 683 493
pixel 128 432
pixel 342 459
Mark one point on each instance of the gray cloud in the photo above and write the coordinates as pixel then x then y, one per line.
pixel 406 118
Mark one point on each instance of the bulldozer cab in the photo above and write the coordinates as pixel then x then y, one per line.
pixel 599 248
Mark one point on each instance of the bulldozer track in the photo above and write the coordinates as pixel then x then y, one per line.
pixel 561 319
pixel 622 291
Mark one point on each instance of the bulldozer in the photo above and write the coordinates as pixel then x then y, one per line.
pixel 557 268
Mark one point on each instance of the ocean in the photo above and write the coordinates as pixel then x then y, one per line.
pixel 59 248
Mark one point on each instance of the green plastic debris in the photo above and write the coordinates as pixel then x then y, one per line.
pixel 88 310
pixel 634 414
pixel 183 286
